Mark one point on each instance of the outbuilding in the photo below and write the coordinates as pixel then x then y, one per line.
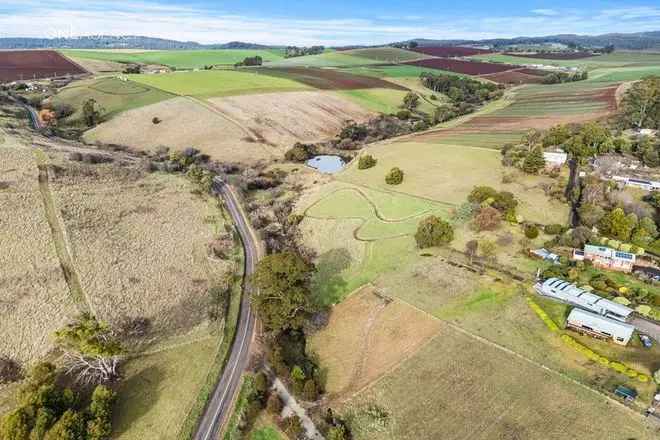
pixel 599 327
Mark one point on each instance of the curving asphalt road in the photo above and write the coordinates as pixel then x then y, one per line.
pixel 220 405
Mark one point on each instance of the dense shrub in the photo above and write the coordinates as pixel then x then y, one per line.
pixel 10 370
pixel 432 231
pixel 394 177
pixel 366 161
pixel 487 219
pixel 531 231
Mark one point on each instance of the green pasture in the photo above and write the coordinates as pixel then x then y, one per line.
pixel 616 59
pixel 210 83
pixel 623 73
pixel 179 59
pixel 326 59
pixel 482 139
pixel 386 54
pixel 383 100
pixel 398 71
pixel 112 95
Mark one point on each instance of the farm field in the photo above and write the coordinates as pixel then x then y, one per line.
pixel 386 54
pixel 282 119
pixel 383 100
pixel 449 51
pixel 35 296
pixel 112 95
pixel 138 244
pixel 212 83
pixel 328 79
pixel 481 392
pixel 98 67
pixel 463 66
pixel 159 390
pixel 398 71
pixel 447 173
pixel 382 332
pixel 179 59
pixel 327 59
pixel 34 64
pixel 616 59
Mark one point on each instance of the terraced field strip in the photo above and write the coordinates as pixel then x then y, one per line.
pixel 59 236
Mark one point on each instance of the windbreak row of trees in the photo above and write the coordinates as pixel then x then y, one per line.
pixel 296 51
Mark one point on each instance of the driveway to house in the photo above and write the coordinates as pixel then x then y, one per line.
pixel 221 403
pixel 647 327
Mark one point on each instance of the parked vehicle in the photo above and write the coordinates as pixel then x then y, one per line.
pixel 647 342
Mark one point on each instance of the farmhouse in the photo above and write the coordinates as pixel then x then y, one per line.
pixel 606 258
pixel 599 327
pixel 646 185
pixel 571 294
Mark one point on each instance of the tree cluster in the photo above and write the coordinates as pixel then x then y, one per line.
pixel 394 176
pixel 250 61
pixel 640 107
pixel 564 77
pixel 50 412
pixel 433 231
pixel 366 161
pixel 296 51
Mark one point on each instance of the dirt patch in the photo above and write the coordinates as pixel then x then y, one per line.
pixel 282 119
pixel 34 64
pixel 330 79
pixel 99 66
pixel 450 51
pixel 514 77
pixel 463 66
pixel 368 334
pixel 184 123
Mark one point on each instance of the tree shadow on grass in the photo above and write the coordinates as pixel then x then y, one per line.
pixel 328 284
pixel 136 397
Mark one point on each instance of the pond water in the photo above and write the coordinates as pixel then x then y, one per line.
pixel 327 164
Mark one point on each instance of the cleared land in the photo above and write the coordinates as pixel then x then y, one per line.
pixel 616 59
pixel 112 95
pixel 180 59
pixel 283 119
pixel 386 54
pixel 329 79
pixel 35 64
pixel 34 298
pixel 327 59
pixel 159 389
pixel 462 66
pixel 98 66
pixel 481 392
pixel 212 83
pixel 383 100
pixel 401 70
pixel 447 173
pixel 139 244
pixel 382 332
pixel 450 51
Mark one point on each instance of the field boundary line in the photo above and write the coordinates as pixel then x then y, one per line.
pixel 60 237
pixel 174 346
pixel 519 356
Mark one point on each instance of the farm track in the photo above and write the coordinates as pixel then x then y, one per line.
pixel 60 240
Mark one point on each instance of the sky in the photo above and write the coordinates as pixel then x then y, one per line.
pixel 329 22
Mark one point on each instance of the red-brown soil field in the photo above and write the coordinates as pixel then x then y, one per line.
pixel 537 72
pixel 461 66
pixel 449 51
pixel 330 79
pixel 35 64
pixel 514 77
pixel 553 55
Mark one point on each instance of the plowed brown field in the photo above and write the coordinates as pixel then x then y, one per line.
pixel 35 64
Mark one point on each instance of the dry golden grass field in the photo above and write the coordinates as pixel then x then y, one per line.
pixel 285 118
pixel 456 387
pixel 34 298
pixel 138 243
pixel 185 123
pixel 381 333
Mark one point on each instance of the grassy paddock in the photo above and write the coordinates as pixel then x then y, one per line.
pixel 210 83
pixel 326 59
pixel 180 59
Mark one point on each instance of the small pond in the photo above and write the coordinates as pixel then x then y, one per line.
pixel 327 164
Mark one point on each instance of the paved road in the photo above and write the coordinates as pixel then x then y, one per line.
pixel 220 405
pixel 648 327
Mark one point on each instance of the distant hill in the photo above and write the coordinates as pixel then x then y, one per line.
pixel 119 42
pixel 634 41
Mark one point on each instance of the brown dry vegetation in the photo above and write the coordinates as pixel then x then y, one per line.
pixel 185 123
pixel 139 243
pixel 98 66
pixel 381 333
pixel 285 118
pixel 34 299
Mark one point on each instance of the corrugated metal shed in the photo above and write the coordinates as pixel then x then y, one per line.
pixel 571 294
pixel 618 331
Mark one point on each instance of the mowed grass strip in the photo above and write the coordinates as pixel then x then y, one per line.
pixel 180 59
pixel 213 83
pixel 478 391
pixel 112 95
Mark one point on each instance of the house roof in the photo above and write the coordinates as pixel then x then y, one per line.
pixel 601 324
pixel 572 294
pixel 607 252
